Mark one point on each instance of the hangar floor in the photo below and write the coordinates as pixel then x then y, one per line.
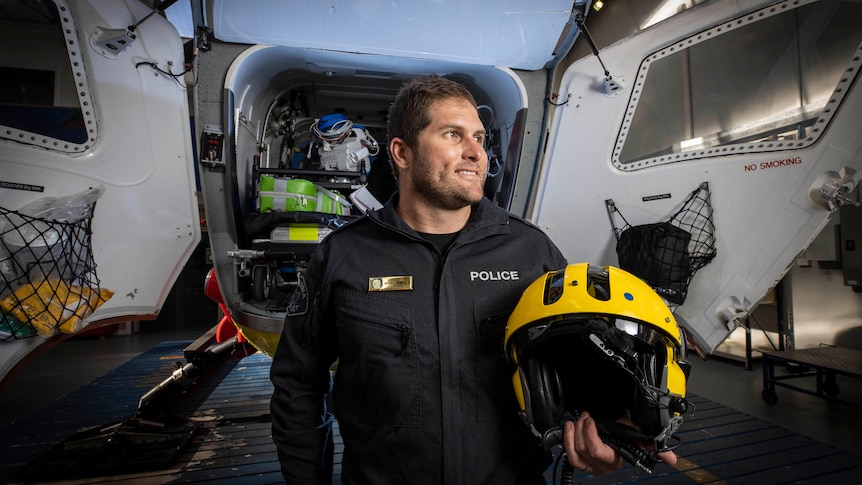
pixel 728 398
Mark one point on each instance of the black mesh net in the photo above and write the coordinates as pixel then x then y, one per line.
pixel 48 281
pixel 667 254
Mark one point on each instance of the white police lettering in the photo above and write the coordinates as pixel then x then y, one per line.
pixel 494 275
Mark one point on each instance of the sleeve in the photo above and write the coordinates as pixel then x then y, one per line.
pixel 550 255
pixel 556 260
pixel 561 262
pixel 301 423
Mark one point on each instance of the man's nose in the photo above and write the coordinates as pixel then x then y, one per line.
pixel 475 150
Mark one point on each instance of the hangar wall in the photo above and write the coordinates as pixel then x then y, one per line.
pixel 826 311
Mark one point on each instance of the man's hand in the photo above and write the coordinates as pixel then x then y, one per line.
pixel 587 452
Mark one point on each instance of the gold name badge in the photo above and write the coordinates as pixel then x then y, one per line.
pixel 390 283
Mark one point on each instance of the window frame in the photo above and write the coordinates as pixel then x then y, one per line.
pixel 818 126
pixel 77 67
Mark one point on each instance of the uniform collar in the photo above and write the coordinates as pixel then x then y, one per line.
pixel 484 214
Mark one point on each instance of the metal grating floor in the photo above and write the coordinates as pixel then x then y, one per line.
pixel 232 441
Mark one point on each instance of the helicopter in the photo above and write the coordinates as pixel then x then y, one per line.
pixel 725 130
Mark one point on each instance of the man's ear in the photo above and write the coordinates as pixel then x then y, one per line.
pixel 399 153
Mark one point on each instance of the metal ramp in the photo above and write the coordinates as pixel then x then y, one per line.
pixel 232 441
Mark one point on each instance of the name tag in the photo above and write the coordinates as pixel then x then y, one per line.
pixel 390 283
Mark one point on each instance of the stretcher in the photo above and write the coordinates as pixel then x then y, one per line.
pixel 823 363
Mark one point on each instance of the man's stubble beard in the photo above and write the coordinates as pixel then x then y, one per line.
pixel 436 188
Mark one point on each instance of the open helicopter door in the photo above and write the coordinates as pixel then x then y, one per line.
pixel 96 117
pixel 740 118
pixel 275 71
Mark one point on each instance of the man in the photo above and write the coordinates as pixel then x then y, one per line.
pixel 412 301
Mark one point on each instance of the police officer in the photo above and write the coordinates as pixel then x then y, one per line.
pixel 412 302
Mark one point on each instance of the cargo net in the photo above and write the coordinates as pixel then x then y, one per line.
pixel 667 254
pixel 48 282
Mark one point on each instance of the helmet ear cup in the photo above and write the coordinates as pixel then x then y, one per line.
pixel 544 394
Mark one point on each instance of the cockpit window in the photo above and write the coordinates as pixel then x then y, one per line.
pixel 44 96
pixel 769 80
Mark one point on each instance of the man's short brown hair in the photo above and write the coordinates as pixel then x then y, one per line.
pixel 409 113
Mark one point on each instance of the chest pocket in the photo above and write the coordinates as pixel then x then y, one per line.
pixel 377 380
pixel 492 374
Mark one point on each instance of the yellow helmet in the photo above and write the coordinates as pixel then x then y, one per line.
pixel 597 339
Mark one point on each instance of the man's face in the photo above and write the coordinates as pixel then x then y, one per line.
pixel 449 163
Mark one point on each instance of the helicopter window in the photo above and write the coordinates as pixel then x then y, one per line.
pixel 767 81
pixel 44 97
